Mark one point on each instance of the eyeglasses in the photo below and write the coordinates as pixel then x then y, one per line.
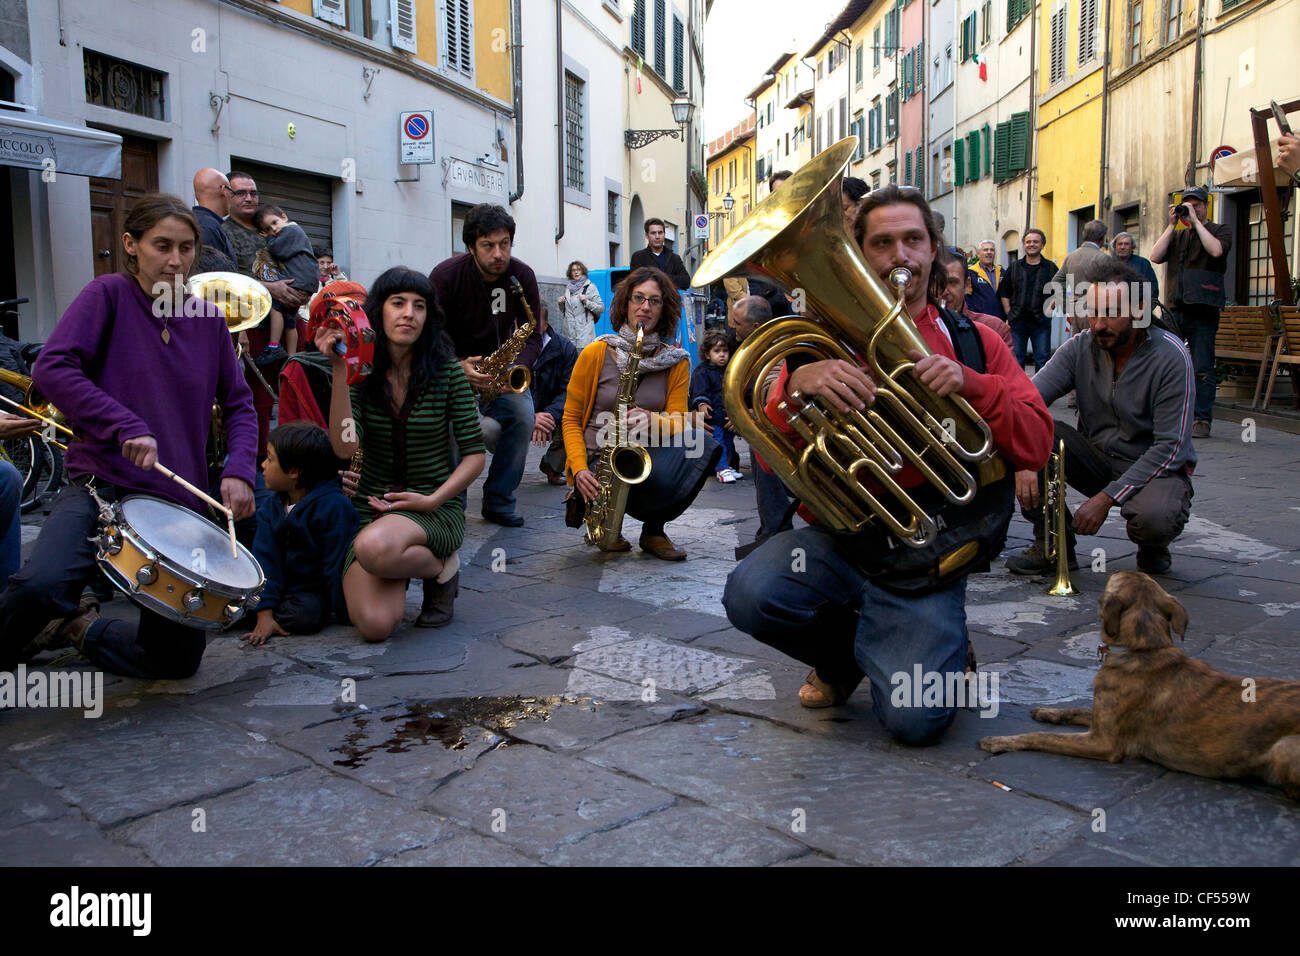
pixel 639 300
pixel 241 193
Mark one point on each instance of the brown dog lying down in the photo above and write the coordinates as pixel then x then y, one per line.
pixel 1150 700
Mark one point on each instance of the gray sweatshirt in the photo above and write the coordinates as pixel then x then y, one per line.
pixel 292 249
pixel 1144 417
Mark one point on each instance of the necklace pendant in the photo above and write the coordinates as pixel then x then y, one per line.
pixel 166 336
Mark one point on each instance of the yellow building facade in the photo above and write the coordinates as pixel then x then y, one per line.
pixel 731 172
pixel 1067 180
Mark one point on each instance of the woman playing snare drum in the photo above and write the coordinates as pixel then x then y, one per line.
pixel 135 364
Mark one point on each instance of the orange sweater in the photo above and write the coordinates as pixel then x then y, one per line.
pixel 578 406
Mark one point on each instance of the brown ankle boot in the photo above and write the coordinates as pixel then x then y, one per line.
pixel 436 611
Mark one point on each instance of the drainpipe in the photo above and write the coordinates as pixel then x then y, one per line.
pixel 1105 117
pixel 1033 122
pixel 1189 175
pixel 559 116
pixel 517 96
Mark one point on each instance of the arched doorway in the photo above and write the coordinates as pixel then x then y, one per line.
pixel 635 225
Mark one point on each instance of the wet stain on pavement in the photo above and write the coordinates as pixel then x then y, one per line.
pixel 452 722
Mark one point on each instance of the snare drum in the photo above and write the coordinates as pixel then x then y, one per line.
pixel 178 564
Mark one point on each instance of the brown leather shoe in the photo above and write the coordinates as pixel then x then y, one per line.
pixel 439 599
pixel 552 476
pixel 662 548
pixel 63 632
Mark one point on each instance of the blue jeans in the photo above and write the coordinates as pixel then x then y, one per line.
pixel 1040 337
pixel 730 458
pixel 514 413
pixel 774 514
pixel 800 593
pixel 11 534
pixel 1200 325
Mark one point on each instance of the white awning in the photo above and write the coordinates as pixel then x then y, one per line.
pixel 37 142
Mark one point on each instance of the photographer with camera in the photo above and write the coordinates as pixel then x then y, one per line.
pixel 1197 258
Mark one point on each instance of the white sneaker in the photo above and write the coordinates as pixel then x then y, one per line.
pixel 726 476
pixel 736 474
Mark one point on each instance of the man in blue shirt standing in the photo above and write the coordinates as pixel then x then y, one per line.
pixel 985 277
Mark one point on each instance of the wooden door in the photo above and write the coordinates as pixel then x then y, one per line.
pixel 111 198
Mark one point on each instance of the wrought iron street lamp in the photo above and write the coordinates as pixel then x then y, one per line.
pixel 683 110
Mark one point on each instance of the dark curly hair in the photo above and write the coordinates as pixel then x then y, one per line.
pixel 893 195
pixel 485 219
pixel 433 349
pixel 305 446
pixel 669 317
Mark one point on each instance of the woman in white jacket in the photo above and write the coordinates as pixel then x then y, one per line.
pixel 580 307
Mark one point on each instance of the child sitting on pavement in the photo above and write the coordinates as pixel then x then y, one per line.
pixel 288 255
pixel 303 532
pixel 706 396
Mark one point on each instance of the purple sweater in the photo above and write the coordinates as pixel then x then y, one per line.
pixel 107 368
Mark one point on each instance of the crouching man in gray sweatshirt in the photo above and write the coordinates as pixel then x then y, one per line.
pixel 1133 443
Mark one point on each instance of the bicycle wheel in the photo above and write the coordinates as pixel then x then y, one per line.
pixel 22 453
pixel 48 475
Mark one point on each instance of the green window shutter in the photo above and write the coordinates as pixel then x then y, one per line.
pixel 907 75
pixel 959 161
pixel 907 168
pixel 1019 152
pixel 919 175
pixel 1002 152
pixel 988 153
pixel 973 155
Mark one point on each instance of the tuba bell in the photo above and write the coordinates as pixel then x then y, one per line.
pixel 847 471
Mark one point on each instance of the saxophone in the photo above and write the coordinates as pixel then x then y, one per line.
pixel 507 377
pixel 620 465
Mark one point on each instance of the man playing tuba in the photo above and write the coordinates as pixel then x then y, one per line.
pixel 867 604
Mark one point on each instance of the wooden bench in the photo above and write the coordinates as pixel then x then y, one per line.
pixel 1287 351
pixel 1246 335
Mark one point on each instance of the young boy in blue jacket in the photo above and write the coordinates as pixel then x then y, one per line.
pixel 303 531
pixel 706 394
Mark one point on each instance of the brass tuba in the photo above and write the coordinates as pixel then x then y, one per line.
pixel 621 464
pixel 797 239
pixel 507 377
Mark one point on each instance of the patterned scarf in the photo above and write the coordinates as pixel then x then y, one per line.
pixel 624 339
pixel 577 285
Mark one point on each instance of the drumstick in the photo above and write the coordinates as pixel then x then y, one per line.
pixel 230 515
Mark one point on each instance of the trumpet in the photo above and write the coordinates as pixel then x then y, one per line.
pixel 1056 546
pixel 35 405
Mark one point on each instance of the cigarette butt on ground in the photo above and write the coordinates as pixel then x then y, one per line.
pixel 1001 786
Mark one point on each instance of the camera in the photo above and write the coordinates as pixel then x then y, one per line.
pixel 1182 211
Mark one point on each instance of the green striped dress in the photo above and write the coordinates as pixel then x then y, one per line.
pixel 413 454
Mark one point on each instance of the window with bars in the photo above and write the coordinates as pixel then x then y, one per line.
pixel 611 213
pixel 638 27
pixel 458 36
pixel 1056 71
pixel 575 172
pixel 661 38
pixel 124 86
pixel 1087 30
pixel 1135 32
pixel 679 54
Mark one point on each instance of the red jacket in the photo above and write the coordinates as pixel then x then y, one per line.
pixel 1002 395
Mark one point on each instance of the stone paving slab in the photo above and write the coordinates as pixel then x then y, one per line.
pixel 464 849
pixel 592 720
pixel 320 820
pixel 857 805
pixel 1247 656
pixel 680 836
pixel 564 799
pixel 135 765
pixel 24 800
pixel 1182 820
pixel 65 841
pixel 1085 852
pixel 1073 781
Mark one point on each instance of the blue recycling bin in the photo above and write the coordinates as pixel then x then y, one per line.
pixel 689 330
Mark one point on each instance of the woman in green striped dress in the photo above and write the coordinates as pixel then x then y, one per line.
pixel 412 521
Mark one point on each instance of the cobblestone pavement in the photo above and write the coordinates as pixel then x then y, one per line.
pixel 521 734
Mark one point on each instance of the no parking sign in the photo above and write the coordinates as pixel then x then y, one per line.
pixel 415 135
